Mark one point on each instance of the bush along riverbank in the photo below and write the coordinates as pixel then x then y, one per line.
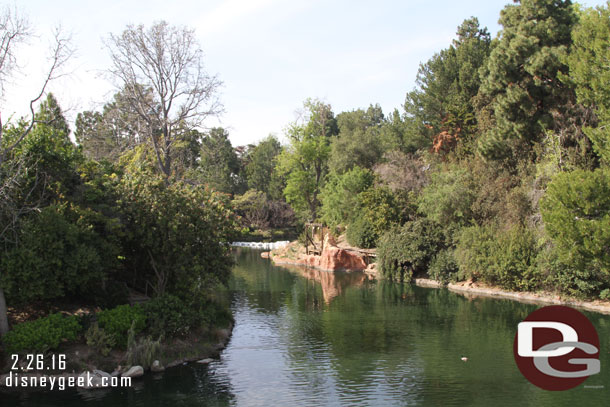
pixel 126 341
pixel 81 238
pixel 338 254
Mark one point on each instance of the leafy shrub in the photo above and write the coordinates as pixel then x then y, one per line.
pixel 576 214
pixel 169 316
pixel 43 334
pixel 60 254
pixel 340 195
pixel 361 233
pixel 101 341
pixel 443 267
pixel 117 321
pixel 178 234
pixel 380 207
pixel 506 258
pixel 142 351
pixel 406 250
pixel 565 277
pixel 112 294
pixel 447 199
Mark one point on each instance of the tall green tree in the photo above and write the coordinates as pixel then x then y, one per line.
pixel 521 77
pixel 359 139
pixel 590 73
pixel 305 161
pixel 219 165
pixel 340 195
pixel 260 167
pixel 441 106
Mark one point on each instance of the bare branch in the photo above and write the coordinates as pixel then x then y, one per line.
pixel 60 54
pixel 164 62
pixel 14 30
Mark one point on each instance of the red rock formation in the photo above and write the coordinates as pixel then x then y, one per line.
pixel 332 259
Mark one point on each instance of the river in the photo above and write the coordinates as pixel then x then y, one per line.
pixel 310 338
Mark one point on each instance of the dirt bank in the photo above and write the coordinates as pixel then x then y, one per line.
pixel 470 289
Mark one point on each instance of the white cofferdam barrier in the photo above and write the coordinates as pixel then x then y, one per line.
pixel 261 245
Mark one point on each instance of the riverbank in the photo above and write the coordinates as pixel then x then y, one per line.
pixel 336 257
pixel 472 289
pixel 193 349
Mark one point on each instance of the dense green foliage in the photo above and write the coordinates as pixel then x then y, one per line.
pixel 521 76
pixel 576 213
pixel 505 258
pixel 176 234
pixel 260 170
pixel 42 335
pixel 305 161
pixel 59 255
pixel 169 315
pixel 358 142
pixel 409 249
pixel 441 107
pixel 361 233
pixel 117 321
pixel 496 169
pixel 588 64
pixel 340 194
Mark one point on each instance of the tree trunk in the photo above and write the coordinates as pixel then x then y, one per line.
pixel 3 314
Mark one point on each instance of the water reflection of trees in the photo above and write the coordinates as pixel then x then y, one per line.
pixel 358 338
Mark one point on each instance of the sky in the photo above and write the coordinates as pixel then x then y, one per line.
pixel 271 55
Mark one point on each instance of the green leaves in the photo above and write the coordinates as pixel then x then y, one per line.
pixel 42 335
pixel 117 321
pixel 61 253
pixel 576 213
pixel 446 84
pixel 178 234
pixel 339 195
pixel 406 250
pixel 305 162
pixel 523 70
pixel 590 73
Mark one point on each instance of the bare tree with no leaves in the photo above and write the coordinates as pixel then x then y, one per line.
pixel 15 30
pixel 168 61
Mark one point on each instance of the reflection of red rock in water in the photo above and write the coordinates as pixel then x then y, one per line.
pixel 322 268
pixel 332 283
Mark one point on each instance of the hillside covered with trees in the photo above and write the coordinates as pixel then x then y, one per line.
pixel 496 169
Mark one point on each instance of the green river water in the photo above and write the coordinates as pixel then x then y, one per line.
pixel 310 338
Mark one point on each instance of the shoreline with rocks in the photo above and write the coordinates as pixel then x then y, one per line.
pixel 337 258
pixel 473 289
pixel 92 379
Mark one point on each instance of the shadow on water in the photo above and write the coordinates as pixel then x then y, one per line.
pixel 311 338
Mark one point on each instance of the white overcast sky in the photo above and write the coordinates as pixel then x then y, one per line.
pixel 270 54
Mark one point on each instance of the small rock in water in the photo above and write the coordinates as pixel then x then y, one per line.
pixel 157 367
pixel 205 361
